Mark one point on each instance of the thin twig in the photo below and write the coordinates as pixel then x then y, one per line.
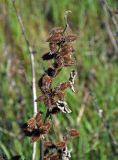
pixel 66 26
pixel 109 31
pixel 41 149
pixel 31 52
pixel 66 20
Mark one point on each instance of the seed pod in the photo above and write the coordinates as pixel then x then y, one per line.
pixel 47 99
pixel 55 157
pixel 55 38
pixel 63 61
pixel 40 131
pixel 27 131
pixel 62 86
pixel 29 126
pixel 35 135
pixel 53 71
pixel 47 124
pixel 53 47
pixel 59 94
pixel 61 144
pixel 45 83
pixel 38 116
pixel 64 53
pixel 45 158
pixel 56 30
pixel 34 122
pixel 48 56
pixel 40 98
pixel 70 38
pixel 60 89
pixel 68 60
pixel 39 119
pixel 67 48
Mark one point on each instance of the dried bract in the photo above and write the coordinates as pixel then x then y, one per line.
pixel 62 105
pixel 70 38
pixel 35 128
pixel 73 133
pixel 56 30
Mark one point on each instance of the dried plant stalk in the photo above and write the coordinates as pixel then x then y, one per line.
pixel 31 52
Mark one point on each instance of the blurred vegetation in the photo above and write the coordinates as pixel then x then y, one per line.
pixel 96 66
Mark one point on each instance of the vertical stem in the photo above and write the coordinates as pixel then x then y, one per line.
pixel 31 52
pixel 41 149
pixel 33 83
pixel 34 98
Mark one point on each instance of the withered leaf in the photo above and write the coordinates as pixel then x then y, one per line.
pixel 56 30
pixel 53 47
pixel 62 105
pixel 45 83
pixel 61 144
pixel 55 38
pixel 71 38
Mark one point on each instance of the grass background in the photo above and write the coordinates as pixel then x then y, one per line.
pixel 96 66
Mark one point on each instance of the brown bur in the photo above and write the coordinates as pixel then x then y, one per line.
pixel 35 128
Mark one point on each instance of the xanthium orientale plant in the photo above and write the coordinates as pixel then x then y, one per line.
pixel 61 51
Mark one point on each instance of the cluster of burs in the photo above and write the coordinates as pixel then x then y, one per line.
pixel 61 51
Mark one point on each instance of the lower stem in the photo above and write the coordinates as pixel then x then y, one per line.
pixel 41 149
pixel 34 151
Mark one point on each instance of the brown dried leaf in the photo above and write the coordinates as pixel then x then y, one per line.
pixel 31 123
pixel 53 47
pixel 54 157
pixel 55 38
pixel 71 38
pixel 45 83
pixel 67 48
pixel 45 128
pixel 64 61
pixel 61 144
pixel 38 116
pixel 56 30
pixel 40 98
